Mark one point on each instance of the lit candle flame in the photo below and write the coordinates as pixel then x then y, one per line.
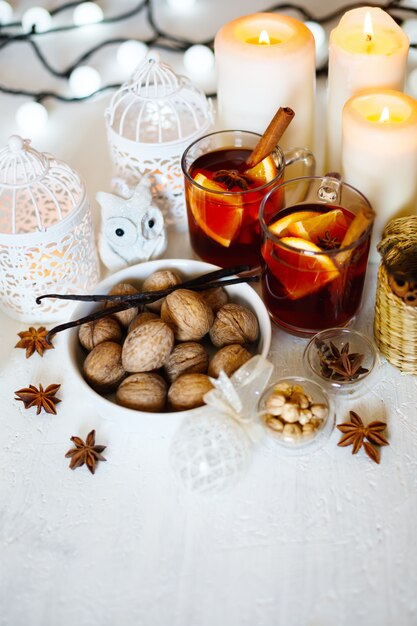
pixel 368 30
pixel 385 116
pixel 264 38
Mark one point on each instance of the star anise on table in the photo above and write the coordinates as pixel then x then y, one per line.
pixel 34 339
pixel 355 432
pixel 328 242
pixel 85 452
pixel 41 398
pixel 340 365
pixel 232 178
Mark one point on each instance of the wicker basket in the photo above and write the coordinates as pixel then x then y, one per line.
pixel 395 324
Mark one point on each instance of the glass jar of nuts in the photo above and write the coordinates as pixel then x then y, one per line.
pixel 297 414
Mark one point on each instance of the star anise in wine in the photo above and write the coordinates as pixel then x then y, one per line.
pixel 355 432
pixel 340 365
pixel 85 452
pixel 34 339
pixel 328 242
pixel 41 398
pixel 232 178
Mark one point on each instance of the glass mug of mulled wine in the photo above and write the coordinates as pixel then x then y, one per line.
pixel 316 238
pixel 223 195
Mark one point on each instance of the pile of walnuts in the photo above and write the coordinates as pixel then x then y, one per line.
pixel 160 358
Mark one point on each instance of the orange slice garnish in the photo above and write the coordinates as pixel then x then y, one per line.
pixel 211 185
pixel 300 274
pixel 219 217
pixel 331 224
pixel 264 172
pixel 280 228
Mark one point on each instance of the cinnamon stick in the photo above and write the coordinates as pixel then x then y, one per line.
pixel 271 136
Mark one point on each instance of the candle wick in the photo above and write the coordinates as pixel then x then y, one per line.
pixel 368 37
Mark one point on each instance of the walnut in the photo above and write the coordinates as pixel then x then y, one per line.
pixel 162 279
pixel 290 413
pixel 228 359
pixel 123 289
pixel 319 411
pixel 301 399
pixel 234 324
pixel 305 416
pixel 104 329
pixel 274 423
pixel 291 432
pixel 188 390
pixel 188 315
pixel 275 403
pixel 215 297
pixel 143 392
pixel 141 318
pixel 103 368
pixel 309 430
pixel 147 347
pixel 186 358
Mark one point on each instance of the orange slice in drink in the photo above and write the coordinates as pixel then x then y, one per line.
pixel 301 274
pixel 264 172
pixel 332 224
pixel 219 217
pixel 211 185
pixel 280 228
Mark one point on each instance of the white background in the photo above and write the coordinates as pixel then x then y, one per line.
pixel 325 540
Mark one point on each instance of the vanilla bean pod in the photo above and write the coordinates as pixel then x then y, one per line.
pixel 89 318
pixel 204 279
pixel 151 296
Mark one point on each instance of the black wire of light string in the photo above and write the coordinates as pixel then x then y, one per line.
pixel 71 5
pixel 160 39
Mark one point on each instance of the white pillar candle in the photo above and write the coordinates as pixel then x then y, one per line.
pixel 379 153
pixel 367 49
pixel 265 61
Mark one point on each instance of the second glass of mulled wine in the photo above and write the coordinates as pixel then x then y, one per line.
pixel 316 237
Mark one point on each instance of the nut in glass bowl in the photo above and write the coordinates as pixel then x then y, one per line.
pixel 342 360
pixel 297 414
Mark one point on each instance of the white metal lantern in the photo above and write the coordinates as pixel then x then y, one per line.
pixel 152 118
pixel 46 233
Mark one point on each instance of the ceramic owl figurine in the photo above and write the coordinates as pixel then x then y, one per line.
pixel 132 229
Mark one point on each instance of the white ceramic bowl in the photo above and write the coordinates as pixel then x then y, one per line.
pixel 241 294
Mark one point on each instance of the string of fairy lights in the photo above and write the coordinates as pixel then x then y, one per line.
pixel 84 80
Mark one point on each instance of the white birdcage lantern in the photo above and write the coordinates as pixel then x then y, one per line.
pixel 46 233
pixel 152 118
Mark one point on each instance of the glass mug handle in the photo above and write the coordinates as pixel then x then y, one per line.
pixel 306 158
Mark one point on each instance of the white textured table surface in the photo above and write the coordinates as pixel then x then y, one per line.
pixel 322 540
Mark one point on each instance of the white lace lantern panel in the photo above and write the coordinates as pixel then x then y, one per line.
pixel 46 234
pixel 151 120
